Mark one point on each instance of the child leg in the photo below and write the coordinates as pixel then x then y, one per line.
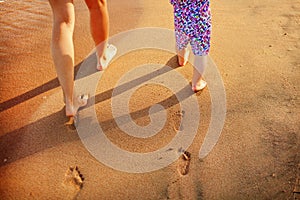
pixel 183 56
pixel 200 46
pixel 182 39
pixel 181 47
pixel 198 83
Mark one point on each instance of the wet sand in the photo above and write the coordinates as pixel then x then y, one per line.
pixel 255 46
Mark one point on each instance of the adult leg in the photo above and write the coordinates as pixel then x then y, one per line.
pixel 99 23
pixel 63 51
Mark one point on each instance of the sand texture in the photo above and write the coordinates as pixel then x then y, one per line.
pixel 256 47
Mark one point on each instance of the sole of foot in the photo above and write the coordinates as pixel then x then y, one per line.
pixel 104 61
pixel 200 86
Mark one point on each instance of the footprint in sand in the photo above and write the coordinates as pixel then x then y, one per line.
pixel 184 163
pixel 73 178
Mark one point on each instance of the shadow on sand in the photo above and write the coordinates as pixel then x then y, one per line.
pixel 50 131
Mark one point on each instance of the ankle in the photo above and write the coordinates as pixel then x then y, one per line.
pixel 68 101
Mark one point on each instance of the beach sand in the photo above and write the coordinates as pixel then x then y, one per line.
pixel 255 45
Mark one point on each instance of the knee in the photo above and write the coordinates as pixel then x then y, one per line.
pixel 67 19
pixel 95 4
pixel 63 14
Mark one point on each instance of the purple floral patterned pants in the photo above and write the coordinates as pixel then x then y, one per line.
pixel 192 19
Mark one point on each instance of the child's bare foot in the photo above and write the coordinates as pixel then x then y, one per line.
pixel 80 101
pixel 183 56
pixel 104 61
pixel 199 86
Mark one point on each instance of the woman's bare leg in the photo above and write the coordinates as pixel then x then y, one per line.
pixel 99 22
pixel 63 51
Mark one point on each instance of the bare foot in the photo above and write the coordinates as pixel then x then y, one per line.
pixel 104 61
pixel 80 101
pixel 199 86
pixel 183 56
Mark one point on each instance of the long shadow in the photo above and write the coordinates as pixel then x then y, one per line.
pixel 54 83
pixel 114 19
pixel 28 95
pixel 171 64
pixel 50 131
